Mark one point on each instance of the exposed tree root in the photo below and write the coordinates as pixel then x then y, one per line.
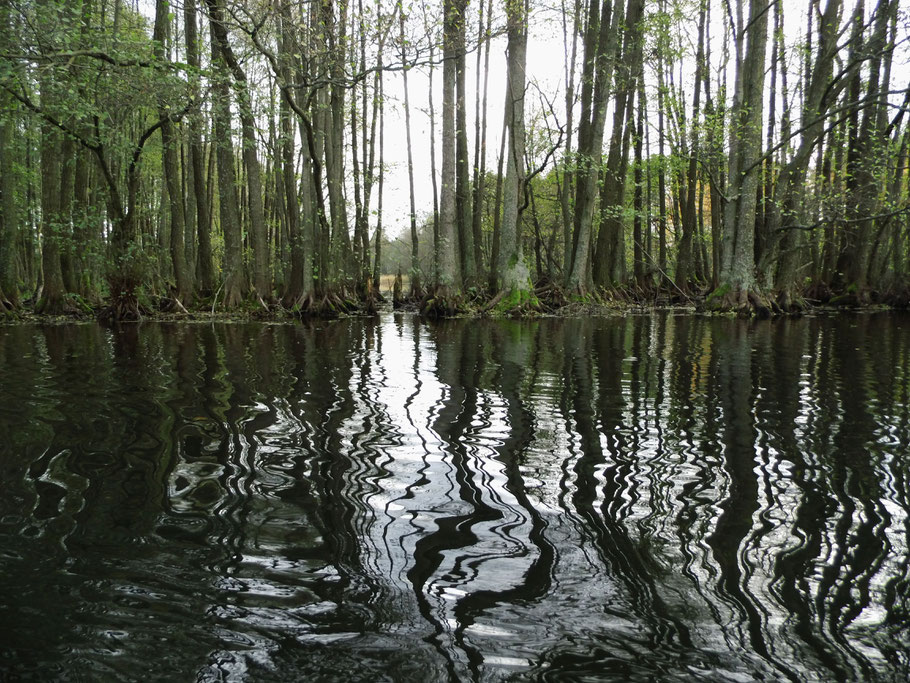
pixel 475 295
pixel 415 297
pixel 56 305
pixel 124 305
pixel 295 303
pixel 898 297
pixel 326 305
pixel 8 311
pixel 7 307
pixel 790 302
pixel 517 302
pixel 371 297
pixel 293 300
pixel 852 298
pixel 263 310
pixel 416 293
pixel 125 308
pixel 172 304
pixel 550 296
pixel 639 293
pixel 747 303
pixel 819 292
pixel 232 298
pixel 441 303
pixel 397 299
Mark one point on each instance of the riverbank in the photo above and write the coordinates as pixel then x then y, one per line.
pixel 277 314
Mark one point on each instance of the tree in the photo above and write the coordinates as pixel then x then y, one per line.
pixel 9 210
pixel 172 176
pixel 447 292
pixel 414 274
pixel 516 290
pixel 738 287
pixel 233 281
pixel 610 251
pixel 600 41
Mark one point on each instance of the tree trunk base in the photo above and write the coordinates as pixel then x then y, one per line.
pixel 173 303
pixel 232 299
pixel 7 307
pixel 820 292
pixel 855 298
pixel 790 303
pixel 417 292
pixel 55 305
pixel 125 308
pixel 550 296
pixel 328 305
pixel 442 303
pixel 397 298
pixel 515 303
pixel 898 297
pixel 745 303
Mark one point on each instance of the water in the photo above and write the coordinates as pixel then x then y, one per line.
pixel 662 497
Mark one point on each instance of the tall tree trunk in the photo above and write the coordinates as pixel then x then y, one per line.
pixel 334 32
pixel 448 274
pixel 600 43
pixel 515 282
pixel 638 205
pixel 437 239
pixel 9 210
pixel 462 162
pixel 737 274
pixel 868 161
pixel 253 181
pixel 414 274
pixel 496 237
pixel 53 299
pixel 204 265
pixel 784 239
pixel 685 254
pixel 228 209
pixel 360 180
pixel 569 174
pixel 377 262
pixel 171 169
pixel 661 170
pixel 296 289
pixel 480 133
pixel 65 212
pixel 609 257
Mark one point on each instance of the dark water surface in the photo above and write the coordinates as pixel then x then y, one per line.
pixel 657 498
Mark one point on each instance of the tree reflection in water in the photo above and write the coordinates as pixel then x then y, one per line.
pixel 660 497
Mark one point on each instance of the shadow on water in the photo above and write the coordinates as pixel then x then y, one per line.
pixel 662 497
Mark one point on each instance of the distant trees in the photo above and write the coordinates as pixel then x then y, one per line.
pixel 235 155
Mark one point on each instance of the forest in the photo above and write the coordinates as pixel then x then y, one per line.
pixel 737 155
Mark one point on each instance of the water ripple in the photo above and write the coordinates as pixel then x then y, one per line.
pixel 662 497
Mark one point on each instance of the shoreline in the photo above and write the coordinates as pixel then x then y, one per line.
pixel 284 316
